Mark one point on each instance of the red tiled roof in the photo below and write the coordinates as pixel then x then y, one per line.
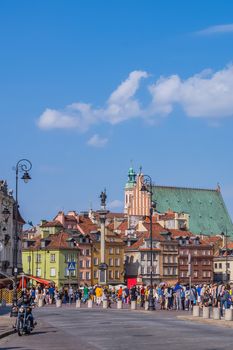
pixel 181 233
pixel 86 225
pixel 54 223
pixel 55 241
pixel 123 226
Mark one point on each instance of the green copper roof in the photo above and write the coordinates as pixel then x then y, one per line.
pixel 207 210
pixel 131 178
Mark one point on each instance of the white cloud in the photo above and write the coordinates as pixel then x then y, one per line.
pixel 204 95
pixel 97 141
pixel 115 204
pixel 223 28
pixel 120 106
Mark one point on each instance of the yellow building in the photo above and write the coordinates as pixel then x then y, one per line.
pixel 48 256
pixel 114 258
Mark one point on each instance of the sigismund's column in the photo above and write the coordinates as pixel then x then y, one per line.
pixel 102 214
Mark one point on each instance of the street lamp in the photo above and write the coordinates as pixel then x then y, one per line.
pixel 146 186
pixel 226 269
pixel 22 166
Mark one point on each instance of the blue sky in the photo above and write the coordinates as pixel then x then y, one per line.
pixel 87 87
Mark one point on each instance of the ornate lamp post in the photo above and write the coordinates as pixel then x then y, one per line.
pixel 146 186
pixel 22 166
pixel 226 268
pixel 102 213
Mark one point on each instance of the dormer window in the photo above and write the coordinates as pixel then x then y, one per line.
pixel 42 244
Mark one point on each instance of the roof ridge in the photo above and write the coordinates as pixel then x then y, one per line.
pixel 188 188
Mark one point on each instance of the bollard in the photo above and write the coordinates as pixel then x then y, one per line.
pixel 89 303
pixel 228 314
pixel 216 313
pixel 58 303
pixel 78 303
pixel 196 311
pixel 40 302
pixel 119 304
pixel 206 312
pixel 133 305
pixel 105 304
pixel 146 305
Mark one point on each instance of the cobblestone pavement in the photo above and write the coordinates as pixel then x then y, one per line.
pixel 92 329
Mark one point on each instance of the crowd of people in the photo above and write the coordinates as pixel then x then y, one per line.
pixel 177 297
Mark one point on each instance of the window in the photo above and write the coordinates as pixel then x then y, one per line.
pixel 81 264
pixel 165 259
pixel 95 273
pixel 142 270
pixel 117 262
pixel 111 251
pixel 181 262
pixel 215 265
pixel 110 262
pixel 52 272
pixel 203 252
pixel 195 262
pixel 81 275
pixel 220 265
pixel 38 272
pixel 29 258
pixel 88 263
pixel 110 274
pixel 70 257
pixel 52 257
pixel 87 252
pixel 165 271
pixel 117 250
pixel 117 274
pixel 174 271
pixel 38 258
pixel 228 265
pixel 96 261
pixel 195 274
pixel 88 276
pixel 195 252
pixel 143 256
pixel 183 274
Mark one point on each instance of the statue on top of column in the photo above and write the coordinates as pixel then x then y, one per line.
pixel 103 198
